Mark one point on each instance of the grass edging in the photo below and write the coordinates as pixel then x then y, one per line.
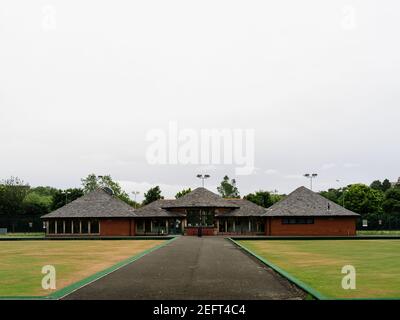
pixel 311 291
pixel 59 294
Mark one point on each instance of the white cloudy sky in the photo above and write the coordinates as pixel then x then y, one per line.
pixel 83 82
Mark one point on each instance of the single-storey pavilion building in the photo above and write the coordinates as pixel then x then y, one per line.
pixel 99 213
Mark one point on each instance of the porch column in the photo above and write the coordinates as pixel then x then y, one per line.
pixel 89 226
pixel 249 225
pixel 55 227
pixel 217 225
pixel 166 226
pixel 64 226
pixel 234 226
pixel 151 226
pixel 226 225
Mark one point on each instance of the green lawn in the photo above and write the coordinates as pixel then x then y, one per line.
pixel 21 262
pixel 318 263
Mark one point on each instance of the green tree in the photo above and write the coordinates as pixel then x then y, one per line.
pixel 332 194
pixel 183 192
pixel 228 188
pixel 377 185
pixel 362 199
pixel 35 203
pixel 152 195
pixel 261 198
pixel 386 185
pixel 391 204
pixel 12 194
pixel 62 197
pixel 276 197
pixel 92 182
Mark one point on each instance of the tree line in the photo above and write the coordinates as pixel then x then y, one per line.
pixel 378 203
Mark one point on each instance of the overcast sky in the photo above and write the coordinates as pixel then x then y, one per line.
pixel 83 82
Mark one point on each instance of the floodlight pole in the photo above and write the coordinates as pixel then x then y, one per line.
pixel 311 177
pixel 203 177
pixel 135 193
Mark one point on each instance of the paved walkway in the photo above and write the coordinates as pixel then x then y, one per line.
pixel 192 268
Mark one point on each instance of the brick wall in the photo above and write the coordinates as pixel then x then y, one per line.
pixel 117 227
pixel 206 231
pixel 335 226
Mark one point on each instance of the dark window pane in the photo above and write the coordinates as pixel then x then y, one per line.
pixel 52 226
pixel 68 226
pixel 60 227
pixel 94 226
pixel 85 226
pixel 76 226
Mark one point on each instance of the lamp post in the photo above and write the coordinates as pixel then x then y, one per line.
pixel 311 176
pixel 203 177
pixel 66 196
pixel 135 193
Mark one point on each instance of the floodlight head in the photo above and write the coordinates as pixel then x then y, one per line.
pixel 207 176
pixel 307 175
pixel 314 174
pixel 199 176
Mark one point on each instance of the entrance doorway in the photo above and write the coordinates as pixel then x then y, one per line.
pixel 175 226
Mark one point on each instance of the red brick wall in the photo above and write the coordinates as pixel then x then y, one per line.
pixel 193 231
pixel 335 226
pixel 117 227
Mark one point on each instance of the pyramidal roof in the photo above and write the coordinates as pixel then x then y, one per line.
pixel 304 202
pixel 200 197
pixel 96 204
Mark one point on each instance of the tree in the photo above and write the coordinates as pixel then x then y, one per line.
pixel 35 203
pixel 183 192
pixel 92 182
pixel 62 197
pixel 377 185
pixel 152 195
pixel 362 199
pixel 228 189
pixel 332 194
pixel 12 194
pixel 391 204
pixel 261 198
pixel 386 185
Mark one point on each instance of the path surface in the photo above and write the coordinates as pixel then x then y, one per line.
pixel 192 268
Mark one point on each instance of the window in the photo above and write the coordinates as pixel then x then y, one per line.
pixel 94 226
pixel 60 226
pixel 297 220
pixel 85 226
pixel 200 217
pixel 68 226
pixel 52 226
pixel 139 226
pixel 76 227
pixel 193 218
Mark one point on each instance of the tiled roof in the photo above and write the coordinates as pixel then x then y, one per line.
pixel 304 202
pixel 96 204
pixel 200 197
pixel 155 209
